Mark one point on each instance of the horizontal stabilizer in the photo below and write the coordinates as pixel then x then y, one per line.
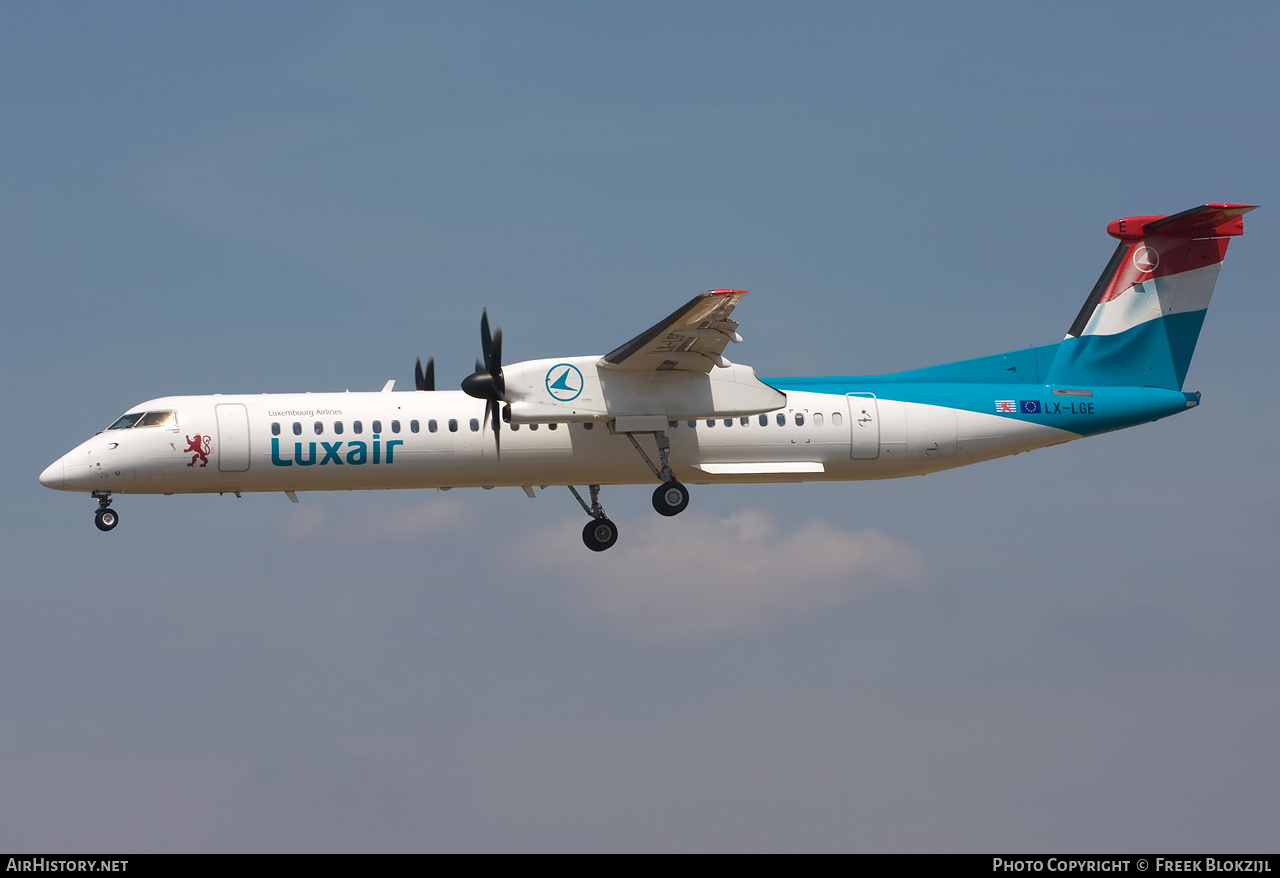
pixel 1205 221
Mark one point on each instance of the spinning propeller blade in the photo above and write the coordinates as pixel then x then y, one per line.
pixel 427 380
pixel 487 382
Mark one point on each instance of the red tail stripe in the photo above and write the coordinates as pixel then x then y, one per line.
pixel 1207 220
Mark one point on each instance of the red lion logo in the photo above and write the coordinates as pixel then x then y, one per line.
pixel 200 448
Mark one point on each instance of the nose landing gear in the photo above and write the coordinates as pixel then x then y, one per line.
pixel 105 518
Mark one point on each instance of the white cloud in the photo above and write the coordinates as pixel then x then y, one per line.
pixel 689 577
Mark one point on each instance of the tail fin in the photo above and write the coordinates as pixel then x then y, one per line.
pixel 1140 324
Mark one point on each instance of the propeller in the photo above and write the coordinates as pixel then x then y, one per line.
pixel 425 380
pixel 486 382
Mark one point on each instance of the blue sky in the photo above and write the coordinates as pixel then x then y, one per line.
pixel 1066 650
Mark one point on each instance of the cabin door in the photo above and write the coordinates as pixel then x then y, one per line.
pixel 864 424
pixel 233 438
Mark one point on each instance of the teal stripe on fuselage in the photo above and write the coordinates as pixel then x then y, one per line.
pixel 1106 408
pixel 1103 382
pixel 1028 366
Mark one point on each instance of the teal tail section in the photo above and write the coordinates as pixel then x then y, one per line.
pixel 1140 324
pixel 1124 359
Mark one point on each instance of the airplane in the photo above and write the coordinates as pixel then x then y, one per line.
pixel 669 408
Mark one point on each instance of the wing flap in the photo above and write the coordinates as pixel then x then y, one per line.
pixel 691 339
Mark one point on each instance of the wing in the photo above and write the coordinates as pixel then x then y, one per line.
pixel 692 339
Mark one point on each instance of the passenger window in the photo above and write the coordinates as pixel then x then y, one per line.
pixel 431 425
pixel 357 426
pixel 413 426
pixel 395 426
pixel 126 421
pixel 475 426
pixel 533 426
pixel 337 427
pixel 836 420
pixel 297 428
pixel 711 422
pixel 782 419
pixel 552 425
pixel 319 428
pixel 799 419
pixel 158 419
pixel 453 425
pixel 275 428
pixel 764 420
pixel 515 427
pixel 744 420
pixel 588 426
pixel 693 423
pixel 728 422
pixel 377 426
pixel 817 419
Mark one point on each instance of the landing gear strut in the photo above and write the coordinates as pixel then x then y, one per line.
pixel 105 518
pixel 671 497
pixel 599 533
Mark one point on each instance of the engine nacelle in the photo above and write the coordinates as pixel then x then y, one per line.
pixel 580 389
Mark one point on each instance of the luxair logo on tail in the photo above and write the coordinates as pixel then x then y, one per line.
pixel 1140 324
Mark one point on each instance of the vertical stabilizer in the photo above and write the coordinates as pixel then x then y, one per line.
pixel 1139 326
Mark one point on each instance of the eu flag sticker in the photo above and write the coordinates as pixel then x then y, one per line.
pixel 1029 406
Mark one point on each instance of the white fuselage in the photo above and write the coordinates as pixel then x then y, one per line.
pixel 328 441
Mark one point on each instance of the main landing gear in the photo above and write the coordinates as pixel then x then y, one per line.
pixel 669 498
pixel 105 518
pixel 600 533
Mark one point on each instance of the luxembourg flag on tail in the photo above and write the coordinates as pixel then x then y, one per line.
pixel 1140 324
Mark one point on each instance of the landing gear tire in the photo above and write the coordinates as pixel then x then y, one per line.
pixel 106 519
pixel 600 534
pixel 670 498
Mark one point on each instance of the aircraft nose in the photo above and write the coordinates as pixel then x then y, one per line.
pixel 55 475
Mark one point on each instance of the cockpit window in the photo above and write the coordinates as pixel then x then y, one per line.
pixel 126 421
pixel 158 419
